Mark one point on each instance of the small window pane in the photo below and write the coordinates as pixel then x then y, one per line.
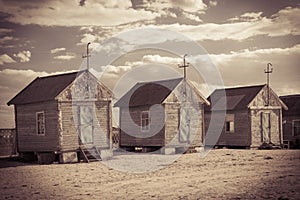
pixel 145 121
pixel 40 123
pixel 296 127
pixel 229 126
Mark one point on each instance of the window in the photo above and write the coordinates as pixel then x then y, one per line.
pixel 229 124
pixel 296 127
pixel 40 123
pixel 230 127
pixel 145 126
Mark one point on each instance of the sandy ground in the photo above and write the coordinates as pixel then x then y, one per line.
pixel 222 174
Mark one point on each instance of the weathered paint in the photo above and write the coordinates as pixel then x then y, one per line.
pixel 28 140
pixel 168 135
pixel 61 131
pixel 248 122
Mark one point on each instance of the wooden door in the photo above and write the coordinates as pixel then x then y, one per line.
pixel 184 123
pixel 86 128
pixel 266 124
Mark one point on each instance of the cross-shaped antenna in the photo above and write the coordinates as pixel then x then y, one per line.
pixel 184 66
pixel 268 71
pixel 87 56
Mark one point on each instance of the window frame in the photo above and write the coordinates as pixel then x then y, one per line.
pixel 229 121
pixel 37 123
pixel 145 120
pixel 293 127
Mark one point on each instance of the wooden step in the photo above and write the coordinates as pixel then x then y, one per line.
pixel 89 154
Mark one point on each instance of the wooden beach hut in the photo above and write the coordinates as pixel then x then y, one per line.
pixel 164 115
pixel 252 119
pixel 291 121
pixel 63 117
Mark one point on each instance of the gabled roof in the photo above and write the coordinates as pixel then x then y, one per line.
pixel 148 93
pixel 293 103
pixel 44 88
pixel 236 98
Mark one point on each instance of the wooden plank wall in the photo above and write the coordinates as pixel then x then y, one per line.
pixel 240 136
pixel 68 127
pixel 258 105
pixel 128 140
pixel 28 140
pixel 103 126
pixel 256 129
pixel 172 126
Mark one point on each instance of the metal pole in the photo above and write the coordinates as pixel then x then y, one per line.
pixel 268 71
pixel 184 66
pixel 87 56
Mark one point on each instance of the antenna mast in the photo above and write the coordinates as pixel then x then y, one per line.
pixel 268 71
pixel 184 66
pixel 87 56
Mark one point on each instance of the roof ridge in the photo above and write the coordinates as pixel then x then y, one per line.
pixel 290 95
pixel 241 87
pixel 60 74
pixel 159 80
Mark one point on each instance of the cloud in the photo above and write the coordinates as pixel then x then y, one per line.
pixel 13 81
pixel 6 39
pixel 4 58
pixel 246 67
pixel 189 5
pixel 246 54
pixel 67 56
pixel 70 13
pixel 88 37
pixel 160 5
pixel 191 17
pixel 213 3
pixel 161 59
pixel 24 56
pixel 56 50
pixel 252 16
pixel 5 30
pixel 248 25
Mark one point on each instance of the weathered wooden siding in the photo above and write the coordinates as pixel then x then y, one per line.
pixel 261 99
pixel 97 96
pixel 241 135
pixel 135 113
pixel 67 126
pixel 28 140
pixel 256 126
pixel 172 126
pixel 172 105
pixel 259 106
pixel 103 126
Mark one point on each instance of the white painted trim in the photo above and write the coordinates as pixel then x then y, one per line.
pixel 148 112
pixel 36 123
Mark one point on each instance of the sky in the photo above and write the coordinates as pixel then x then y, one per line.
pixel 235 38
